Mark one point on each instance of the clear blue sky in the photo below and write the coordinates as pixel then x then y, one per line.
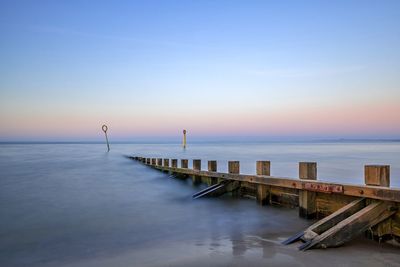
pixel 218 68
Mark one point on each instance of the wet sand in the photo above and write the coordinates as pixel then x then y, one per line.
pixel 243 249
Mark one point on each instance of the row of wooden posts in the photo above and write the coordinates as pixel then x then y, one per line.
pixel 375 175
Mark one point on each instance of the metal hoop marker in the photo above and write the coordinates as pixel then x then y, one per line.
pixel 105 128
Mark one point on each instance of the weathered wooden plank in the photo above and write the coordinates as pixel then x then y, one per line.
pixel 166 162
pixel 287 197
pixel 263 168
pixel 234 167
pixel 197 167
pixel 233 187
pixel 308 170
pixel 324 189
pixel 174 163
pixel 375 192
pixel 328 222
pixel 263 194
pixel 329 203
pixel 212 165
pixel 307 205
pixel 395 224
pixel 336 217
pixel 197 164
pixel 378 175
pixel 184 163
pixel 248 190
pixel 210 191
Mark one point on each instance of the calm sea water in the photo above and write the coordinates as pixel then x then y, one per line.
pixel 76 205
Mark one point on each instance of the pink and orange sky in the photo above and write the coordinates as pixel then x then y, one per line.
pixel 273 70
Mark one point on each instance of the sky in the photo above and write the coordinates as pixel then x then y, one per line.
pixel 148 69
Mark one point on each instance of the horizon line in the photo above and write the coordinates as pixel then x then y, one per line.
pixel 333 140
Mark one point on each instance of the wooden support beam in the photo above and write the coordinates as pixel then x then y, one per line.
pixel 352 226
pixel 307 204
pixel 234 167
pixel 197 167
pixel 234 187
pixel 153 161
pixel 212 167
pixel 166 162
pixel 159 162
pixel 174 163
pixel 263 191
pixel 184 163
pixel 377 175
pixel 333 219
pixel 147 160
pixel 263 194
pixel 214 190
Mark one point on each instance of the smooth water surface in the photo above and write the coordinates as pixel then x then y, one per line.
pixel 76 205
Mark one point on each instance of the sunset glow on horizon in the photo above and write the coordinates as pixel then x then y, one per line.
pixel 217 68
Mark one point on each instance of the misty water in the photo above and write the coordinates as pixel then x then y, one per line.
pixel 76 205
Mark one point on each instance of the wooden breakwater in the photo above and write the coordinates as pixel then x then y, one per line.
pixel 344 210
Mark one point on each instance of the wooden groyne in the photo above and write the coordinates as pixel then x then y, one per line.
pixel 345 210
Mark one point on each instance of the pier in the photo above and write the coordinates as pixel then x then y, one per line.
pixel 344 211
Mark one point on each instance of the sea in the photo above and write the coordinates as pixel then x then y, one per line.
pixel 66 204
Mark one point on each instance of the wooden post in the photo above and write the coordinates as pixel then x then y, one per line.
pixel 234 167
pixel 234 188
pixel 263 168
pixel 147 160
pixel 166 162
pixel 377 175
pixel 308 170
pixel 153 161
pixel 197 167
pixel 307 203
pixel 174 163
pixel 159 162
pixel 197 164
pixel 212 167
pixel 184 163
